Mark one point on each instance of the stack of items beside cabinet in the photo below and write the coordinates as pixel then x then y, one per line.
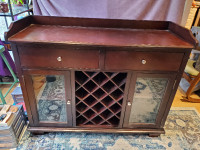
pixel 18 97
pixel 12 129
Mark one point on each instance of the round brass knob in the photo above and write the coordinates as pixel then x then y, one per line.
pixel 68 102
pixel 144 61
pixel 59 59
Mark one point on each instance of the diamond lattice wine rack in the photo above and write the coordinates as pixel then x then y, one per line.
pixel 99 97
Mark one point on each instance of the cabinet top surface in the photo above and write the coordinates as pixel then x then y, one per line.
pixel 35 33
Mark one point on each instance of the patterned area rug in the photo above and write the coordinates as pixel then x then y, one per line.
pixel 182 132
pixel 51 104
pixel 52 110
pixel 148 95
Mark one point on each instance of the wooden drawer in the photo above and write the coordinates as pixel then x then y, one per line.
pixel 126 60
pixel 39 57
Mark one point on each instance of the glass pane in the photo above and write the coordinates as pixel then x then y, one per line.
pixel 16 10
pixel 148 95
pixel 50 97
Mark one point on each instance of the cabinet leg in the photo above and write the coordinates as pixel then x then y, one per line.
pixel 37 133
pixel 154 135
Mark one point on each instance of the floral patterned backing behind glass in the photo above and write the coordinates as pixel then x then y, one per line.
pixel 50 97
pixel 148 95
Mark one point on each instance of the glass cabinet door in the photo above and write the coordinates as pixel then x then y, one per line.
pixel 50 95
pixel 148 93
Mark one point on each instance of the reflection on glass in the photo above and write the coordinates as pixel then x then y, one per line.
pixel 50 97
pixel 148 95
pixel 16 10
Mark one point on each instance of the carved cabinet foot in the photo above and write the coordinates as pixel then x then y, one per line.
pixel 154 135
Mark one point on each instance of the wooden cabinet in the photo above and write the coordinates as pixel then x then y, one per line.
pixel 98 75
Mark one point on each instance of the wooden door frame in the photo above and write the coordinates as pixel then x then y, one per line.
pixel 161 110
pixel 32 99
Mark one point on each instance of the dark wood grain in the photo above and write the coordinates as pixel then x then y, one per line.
pixel 154 135
pixel 30 57
pixel 106 37
pixel 173 92
pixel 183 33
pixel 133 60
pixel 22 82
pixel 103 23
pixel 17 26
pixel 73 98
pixel 98 130
pixel 125 100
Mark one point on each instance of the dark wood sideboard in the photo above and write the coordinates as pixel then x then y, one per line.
pixel 98 75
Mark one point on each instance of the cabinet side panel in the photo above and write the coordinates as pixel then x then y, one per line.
pixel 178 78
pixel 22 82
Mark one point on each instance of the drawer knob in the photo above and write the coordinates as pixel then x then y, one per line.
pixel 129 103
pixel 59 59
pixel 144 61
pixel 68 102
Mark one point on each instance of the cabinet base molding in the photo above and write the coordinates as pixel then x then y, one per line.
pixel 150 132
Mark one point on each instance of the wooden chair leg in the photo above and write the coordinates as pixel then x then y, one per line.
pixel 187 77
pixel 188 97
